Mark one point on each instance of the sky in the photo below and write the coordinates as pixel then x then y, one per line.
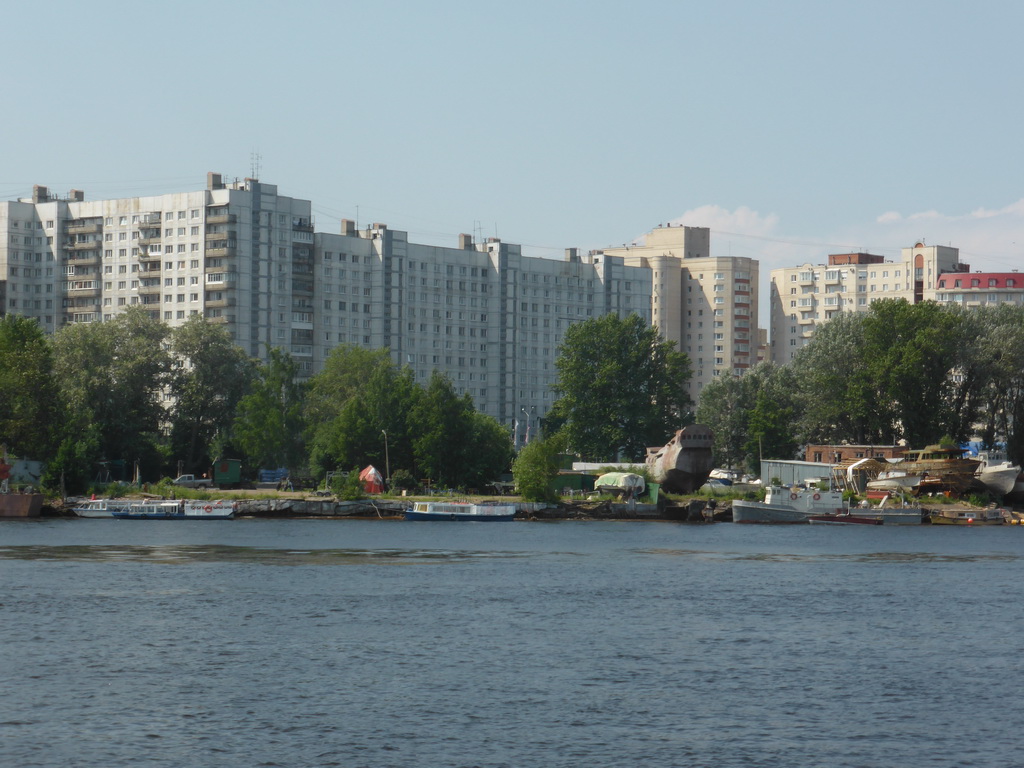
pixel 792 129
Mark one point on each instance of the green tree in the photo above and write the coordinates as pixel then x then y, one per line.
pixel 771 428
pixel 536 467
pixel 724 407
pixel 751 416
pixel 345 374
pixel 910 349
pixel 32 410
pixel 837 394
pixel 112 376
pixel 210 376
pixel 268 423
pixel 1003 393
pixel 620 388
pixel 381 405
pixel 444 421
pixel 490 450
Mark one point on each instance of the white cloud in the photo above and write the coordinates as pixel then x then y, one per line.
pixel 743 220
pixel 990 240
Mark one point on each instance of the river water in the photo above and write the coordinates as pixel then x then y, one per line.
pixel 362 643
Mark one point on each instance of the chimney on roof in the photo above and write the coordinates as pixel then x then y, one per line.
pixel 348 227
pixel 465 242
pixel 40 194
pixel 214 181
pixel 572 255
pixel 76 196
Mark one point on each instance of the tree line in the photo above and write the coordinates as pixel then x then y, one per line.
pixel 900 372
pixel 133 392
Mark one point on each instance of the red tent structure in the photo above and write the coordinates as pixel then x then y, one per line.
pixel 373 481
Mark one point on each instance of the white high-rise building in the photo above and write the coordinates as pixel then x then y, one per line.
pixel 242 255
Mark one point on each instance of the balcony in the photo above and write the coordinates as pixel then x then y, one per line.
pixel 220 236
pixel 224 301
pixel 222 218
pixel 84 245
pixel 84 227
pixel 147 257
pixel 150 221
pixel 149 288
pixel 84 258
pixel 299 286
pixel 91 292
pixel 221 249
pixel 150 240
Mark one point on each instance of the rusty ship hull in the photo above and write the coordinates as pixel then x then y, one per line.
pixel 683 464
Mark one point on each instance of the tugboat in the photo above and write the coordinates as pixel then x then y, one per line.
pixel 789 505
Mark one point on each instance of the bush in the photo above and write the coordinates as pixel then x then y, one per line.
pixel 403 480
pixel 348 487
pixel 535 468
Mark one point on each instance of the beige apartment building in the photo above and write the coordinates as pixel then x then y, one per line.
pixel 708 305
pixel 805 297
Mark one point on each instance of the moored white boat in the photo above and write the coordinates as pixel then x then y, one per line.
pixel 895 481
pixel 100 508
pixel 786 505
pixel 458 510
pixel 177 510
pixel 996 473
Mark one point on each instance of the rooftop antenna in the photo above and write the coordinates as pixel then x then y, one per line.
pixel 254 164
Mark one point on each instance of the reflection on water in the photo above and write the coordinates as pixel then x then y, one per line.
pixel 852 557
pixel 186 554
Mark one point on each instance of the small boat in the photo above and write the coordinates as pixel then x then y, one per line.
pixel 100 508
pixel 460 510
pixel 942 469
pixel 996 473
pixel 844 518
pixel 895 481
pixel 788 505
pixel 620 484
pixel 177 510
pixel 991 516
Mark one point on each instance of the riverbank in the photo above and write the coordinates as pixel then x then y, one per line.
pixel 298 506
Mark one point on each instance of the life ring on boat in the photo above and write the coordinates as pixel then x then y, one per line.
pixel 817 497
pixel 207 509
pixel 792 497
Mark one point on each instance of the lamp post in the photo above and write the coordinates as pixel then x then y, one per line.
pixel 387 460
pixel 528 419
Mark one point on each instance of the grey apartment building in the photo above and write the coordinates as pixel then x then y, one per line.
pixel 242 255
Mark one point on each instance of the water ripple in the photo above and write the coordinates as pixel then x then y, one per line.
pixel 186 554
pixel 848 557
